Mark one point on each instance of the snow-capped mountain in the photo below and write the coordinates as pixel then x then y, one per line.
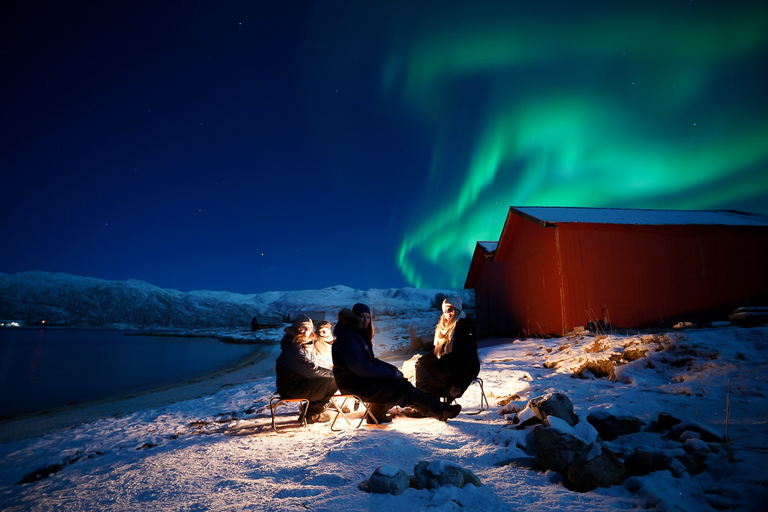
pixel 63 299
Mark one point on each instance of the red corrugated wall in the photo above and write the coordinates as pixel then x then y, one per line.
pixel 547 280
pixel 640 276
pixel 531 281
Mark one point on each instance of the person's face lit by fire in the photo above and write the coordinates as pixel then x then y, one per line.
pixel 305 330
pixel 324 332
pixel 449 313
pixel 366 320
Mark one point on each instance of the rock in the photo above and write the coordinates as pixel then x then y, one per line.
pixel 677 462
pixel 640 462
pixel 595 467
pixel 611 425
pixel 431 475
pixel 388 480
pixel 667 421
pixel 555 450
pixel 705 433
pixel 525 418
pixel 553 404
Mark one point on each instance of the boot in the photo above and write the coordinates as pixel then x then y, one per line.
pixel 426 404
pixel 321 417
pixel 450 411
pixel 379 412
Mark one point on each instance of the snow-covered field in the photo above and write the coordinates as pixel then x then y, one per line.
pixel 212 447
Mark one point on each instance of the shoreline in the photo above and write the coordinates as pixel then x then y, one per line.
pixel 256 365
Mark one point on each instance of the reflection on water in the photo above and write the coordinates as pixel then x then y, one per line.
pixel 45 368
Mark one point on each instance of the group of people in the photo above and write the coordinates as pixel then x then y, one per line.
pixel 317 361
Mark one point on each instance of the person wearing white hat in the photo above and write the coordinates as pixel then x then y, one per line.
pixel 453 364
pixel 359 372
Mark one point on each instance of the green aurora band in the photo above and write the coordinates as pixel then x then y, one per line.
pixel 631 110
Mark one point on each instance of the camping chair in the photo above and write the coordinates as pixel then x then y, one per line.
pixel 483 399
pixel 275 402
pixel 339 406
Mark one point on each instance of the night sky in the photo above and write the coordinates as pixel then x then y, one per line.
pixel 284 145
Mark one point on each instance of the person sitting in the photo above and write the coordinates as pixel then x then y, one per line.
pixel 298 373
pixel 359 372
pixel 453 364
pixel 325 339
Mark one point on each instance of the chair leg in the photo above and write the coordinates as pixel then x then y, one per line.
pixel 275 402
pixel 339 412
pixel 483 399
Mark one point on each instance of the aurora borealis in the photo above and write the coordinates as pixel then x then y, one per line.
pixel 254 146
pixel 658 106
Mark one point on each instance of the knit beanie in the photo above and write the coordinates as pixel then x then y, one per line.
pixel 359 309
pixel 302 319
pixel 454 302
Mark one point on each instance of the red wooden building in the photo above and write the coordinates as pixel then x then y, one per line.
pixel 557 268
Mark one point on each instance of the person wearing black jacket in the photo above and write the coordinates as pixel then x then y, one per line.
pixel 299 375
pixel 359 372
pixel 453 364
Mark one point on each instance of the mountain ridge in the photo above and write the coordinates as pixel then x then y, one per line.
pixel 62 299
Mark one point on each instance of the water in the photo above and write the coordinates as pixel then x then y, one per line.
pixel 45 368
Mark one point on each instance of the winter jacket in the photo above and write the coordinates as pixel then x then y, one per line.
pixel 353 358
pixel 457 368
pixel 298 358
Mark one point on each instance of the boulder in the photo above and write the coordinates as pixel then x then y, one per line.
pixel 431 475
pixel 525 418
pixel 641 462
pixel 595 467
pixel 677 462
pixel 553 404
pixel 388 480
pixel 611 425
pixel 705 433
pixel 666 421
pixel 556 450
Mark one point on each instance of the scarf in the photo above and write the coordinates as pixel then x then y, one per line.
pixel 444 337
pixel 322 351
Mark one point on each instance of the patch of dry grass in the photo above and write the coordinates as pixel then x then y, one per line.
pixel 602 368
pixel 597 346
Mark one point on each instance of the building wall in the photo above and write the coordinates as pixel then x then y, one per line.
pixel 489 296
pixel 531 280
pixel 548 280
pixel 639 276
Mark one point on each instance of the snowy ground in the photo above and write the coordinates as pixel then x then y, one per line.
pixel 212 448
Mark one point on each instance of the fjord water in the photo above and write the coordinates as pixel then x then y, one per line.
pixel 46 368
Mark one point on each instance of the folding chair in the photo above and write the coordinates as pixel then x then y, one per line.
pixel 339 406
pixel 483 399
pixel 275 402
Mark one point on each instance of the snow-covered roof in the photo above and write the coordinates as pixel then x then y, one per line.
pixel 562 215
